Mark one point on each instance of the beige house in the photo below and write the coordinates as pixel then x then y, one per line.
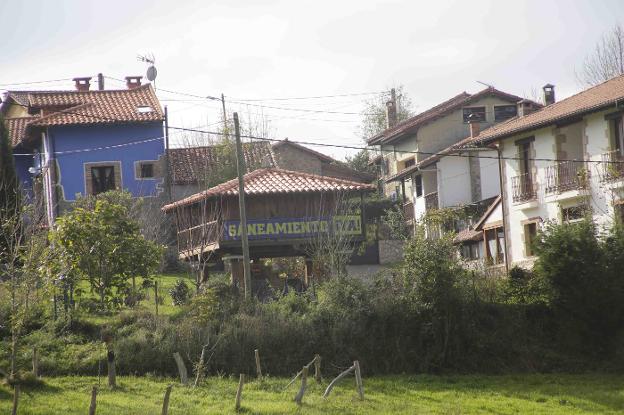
pixel 404 146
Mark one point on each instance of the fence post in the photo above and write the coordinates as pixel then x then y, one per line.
pixel 93 405
pixel 336 380
pixel 35 362
pixel 317 368
pixel 239 392
pixel 358 379
pixel 16 391
pixel 258 368
pixel 304 382
pixel 181 368
pixel 165 408
pixel 156 296
pixel 112 373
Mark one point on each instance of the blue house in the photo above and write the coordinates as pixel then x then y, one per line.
pixel 85 142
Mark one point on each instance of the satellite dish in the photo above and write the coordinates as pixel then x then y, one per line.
pixel 151 73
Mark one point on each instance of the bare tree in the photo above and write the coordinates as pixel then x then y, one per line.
pixel 607 59
pixel 199 227
pixel 331 245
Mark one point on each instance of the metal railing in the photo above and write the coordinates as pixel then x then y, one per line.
pixel 567 175
pixel 523 188
pixel 612 165
pixel 431 201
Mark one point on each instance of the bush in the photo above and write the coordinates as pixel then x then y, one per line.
pixel 180 292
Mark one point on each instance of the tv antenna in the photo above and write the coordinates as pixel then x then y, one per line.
pixel 151 69
pixel 483 83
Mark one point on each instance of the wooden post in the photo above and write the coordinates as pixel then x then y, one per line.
pixel 93 405
pixel 16 391
pixel 239 392
pixel 258 368
pixel 240 168
pixel 35 362
pixel 181 368
pixel 156 296
pixel 200 366
pixel 336 380
pixel 304 382
pixel 358 379
pixel 165 408
pixel 112 373
pixel 317 368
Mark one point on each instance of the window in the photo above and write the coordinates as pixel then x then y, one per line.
pixel 505 112
pixel 409 163
pixel 471 250
pixel 619 212
pixel 419 185
pixel 574 213
pixel 530 235
pixel 524 157
pixel 146 171
pixel 495 245
pixel 617 134
pixel 479 114
pixel 102 179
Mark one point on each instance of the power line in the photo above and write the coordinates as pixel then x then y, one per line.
pixel 37 82
pixel 89 149
pixel 313 97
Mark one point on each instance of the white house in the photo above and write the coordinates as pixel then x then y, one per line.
pixel 559 163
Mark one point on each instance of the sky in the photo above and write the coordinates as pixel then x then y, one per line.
pixel 256 51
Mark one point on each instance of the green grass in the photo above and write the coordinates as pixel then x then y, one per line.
pixel 521 394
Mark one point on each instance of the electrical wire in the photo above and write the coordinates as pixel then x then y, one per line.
pixel 313 97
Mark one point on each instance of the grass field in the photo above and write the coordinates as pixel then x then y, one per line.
pixel 521 394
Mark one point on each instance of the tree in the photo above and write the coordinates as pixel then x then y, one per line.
pixel 103 245
pixel 607 59
pixel 374 119
pixel 360 161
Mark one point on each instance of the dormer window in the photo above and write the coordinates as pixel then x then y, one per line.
pixel 505 112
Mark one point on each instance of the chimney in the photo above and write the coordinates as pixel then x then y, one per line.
pixel 549 94
pixel 525 107
pixel 133 81
pixel 100 82
pixel 82 84
pixel 391 110
pixel 475 126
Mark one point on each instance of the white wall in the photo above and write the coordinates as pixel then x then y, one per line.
pixel 453 181
pixel 489 174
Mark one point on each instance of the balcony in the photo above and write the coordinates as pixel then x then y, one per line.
pixel 612 166
pixel 199 237
pixel 431 201
pixel 408 211
pixel 523 188
pixel 565 176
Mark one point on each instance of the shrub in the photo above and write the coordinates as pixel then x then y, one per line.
pixel 180 292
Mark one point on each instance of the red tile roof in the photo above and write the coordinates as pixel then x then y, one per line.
pixel 190 165
pixel 604 95
pixel 85 107
pixel 276 181
pixel 17 129
pixel 439 110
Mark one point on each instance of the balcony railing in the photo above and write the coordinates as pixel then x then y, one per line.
pixel 431 201
pixel 567 175
pixel 612 165
pixel 523 188
pixel 198 237
pixel 408 211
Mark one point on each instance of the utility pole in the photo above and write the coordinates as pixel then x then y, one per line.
pixel 391 110
pixel 240 168
pixel 225 125
pixel 167 167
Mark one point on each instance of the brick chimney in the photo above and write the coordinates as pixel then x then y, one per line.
pixel 82 84
pixel 525 107
pixel 133 81
pixel 475 126
pixel 549 94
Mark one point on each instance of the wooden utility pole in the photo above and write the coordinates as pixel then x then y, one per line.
pixel 240 167
pixel 167 167
pixel 225 125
